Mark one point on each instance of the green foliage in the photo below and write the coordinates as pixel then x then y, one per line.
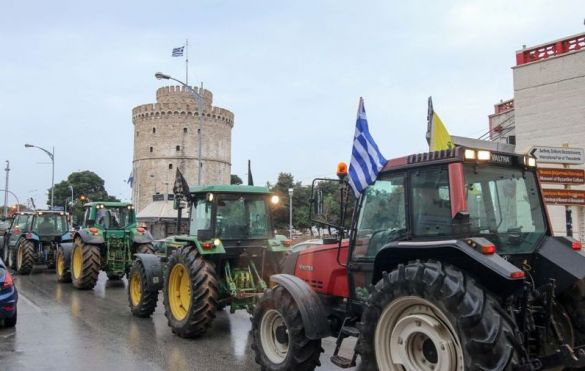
pixel 85 183
pixel 234 179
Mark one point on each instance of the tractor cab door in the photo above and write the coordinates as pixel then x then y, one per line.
pixel 20 224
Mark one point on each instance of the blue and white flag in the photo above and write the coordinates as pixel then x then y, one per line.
pixel 130 178
pixel 366 159
pixel 178 52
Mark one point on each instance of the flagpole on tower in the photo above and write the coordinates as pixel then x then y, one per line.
pixel 187 61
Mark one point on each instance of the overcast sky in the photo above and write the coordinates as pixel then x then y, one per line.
pixel 292 73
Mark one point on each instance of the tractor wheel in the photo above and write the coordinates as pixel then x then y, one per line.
pixel 145 248
pixel 85 265
pixel 574 303
pixel 279 339
pixel 25 257
pixel 426 316
pixel 61 269
pixel 142 302
pixel 190 292
pixel 10 322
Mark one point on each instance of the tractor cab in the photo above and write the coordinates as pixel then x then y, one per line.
pixel 109 215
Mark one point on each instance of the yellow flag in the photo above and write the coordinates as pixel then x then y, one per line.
pixel 440 138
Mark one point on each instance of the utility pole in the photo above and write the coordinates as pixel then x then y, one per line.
pixel 6 189
pixel 290 225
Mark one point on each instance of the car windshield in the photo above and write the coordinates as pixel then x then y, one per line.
pixel 242 218
pixel 114 217
pixel 504 207
pixel 50 224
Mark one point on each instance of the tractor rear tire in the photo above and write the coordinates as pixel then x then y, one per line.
pixel 423 315
pixel 574 303
pixel 279 339
pixel 190 292
pixel 142 302
pixel 25 257
pixel 85 265
pixel 61 269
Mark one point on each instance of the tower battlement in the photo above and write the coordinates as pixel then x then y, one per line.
pixel 180 94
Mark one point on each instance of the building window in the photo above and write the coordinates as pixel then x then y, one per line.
pixel 178 148
pixel 137 133
pixel 170 166
pixel 184 130
pixel 150 149
pixel 512 139
pixel 154 130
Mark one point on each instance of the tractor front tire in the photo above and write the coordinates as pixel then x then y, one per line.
pixel 190 292
pixel 25 256
pixel 62 271
pixel 142 301
pixel 425 315
pixel 85 265
pixel 279 339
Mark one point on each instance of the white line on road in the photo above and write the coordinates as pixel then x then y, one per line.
pixel 36 307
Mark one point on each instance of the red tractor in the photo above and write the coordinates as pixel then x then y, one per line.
pixel 450 265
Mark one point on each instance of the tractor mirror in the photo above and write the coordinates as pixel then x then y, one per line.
pixel 204 234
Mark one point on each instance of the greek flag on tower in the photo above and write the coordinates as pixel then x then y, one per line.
pixel 178 52
pixel 366 159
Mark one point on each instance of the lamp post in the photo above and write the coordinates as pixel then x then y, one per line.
pixel 290 196
pixel 52 157
pixel 13 195
pixel 6 187
pixel 199 99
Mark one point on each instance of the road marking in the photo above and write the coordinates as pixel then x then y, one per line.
pixel 36 307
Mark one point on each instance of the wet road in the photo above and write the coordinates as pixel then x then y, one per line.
pixel 61 328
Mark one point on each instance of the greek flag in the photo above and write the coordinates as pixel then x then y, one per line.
pixel 366 159
pixel 178 52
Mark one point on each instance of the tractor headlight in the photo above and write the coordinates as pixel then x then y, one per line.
pixel 216 242
pixel 483 155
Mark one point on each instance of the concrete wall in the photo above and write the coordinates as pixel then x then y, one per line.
pixel 165 137
pixel 549 109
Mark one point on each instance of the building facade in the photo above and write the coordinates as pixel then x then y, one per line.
pixel 166 138
pixel 548 109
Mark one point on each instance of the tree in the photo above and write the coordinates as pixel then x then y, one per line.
pixel 85 183
pixel 234 179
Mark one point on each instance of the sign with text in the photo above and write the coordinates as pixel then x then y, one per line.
pixel 560 155
pixel 561 176
pixel 563 197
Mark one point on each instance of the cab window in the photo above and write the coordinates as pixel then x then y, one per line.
pixel 431 204
pixel 382 216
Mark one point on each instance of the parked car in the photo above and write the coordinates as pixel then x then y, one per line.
pixel 8 297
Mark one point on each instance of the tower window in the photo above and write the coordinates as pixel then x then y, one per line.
pixel 170 166
pixel 137 133
pixel 150 149
pixel 184 130
pixel 178 148
pixel 154 130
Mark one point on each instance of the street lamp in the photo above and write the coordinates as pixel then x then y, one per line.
pixel 52 157
pixel 290 195
pixel 199 99
pixel 13 195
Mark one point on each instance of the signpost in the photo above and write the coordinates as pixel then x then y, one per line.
pixel 561 176
pixel 558 155
pixel 564 197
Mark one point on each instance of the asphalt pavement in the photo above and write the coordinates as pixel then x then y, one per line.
pixel 61 328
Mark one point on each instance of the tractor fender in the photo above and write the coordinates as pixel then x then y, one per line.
pixel 312 309
pixel 66 237
pixel 153 269
pixel 492 271
pixel 140 238
pixel 556 259
pixel 67 248
pixel 87 237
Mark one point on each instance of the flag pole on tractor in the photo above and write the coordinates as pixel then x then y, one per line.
pixel 438 137
pixel 366 159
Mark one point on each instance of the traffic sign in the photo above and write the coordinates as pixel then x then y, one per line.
pixel 561 176
pixel 560 155
pixel 563 197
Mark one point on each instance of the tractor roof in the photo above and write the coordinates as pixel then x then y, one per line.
pixel 108 204
pixel 230 188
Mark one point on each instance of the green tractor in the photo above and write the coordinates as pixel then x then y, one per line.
pixel 224 261
pixel 106 241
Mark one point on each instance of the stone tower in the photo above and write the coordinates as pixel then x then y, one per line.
pixel 166 137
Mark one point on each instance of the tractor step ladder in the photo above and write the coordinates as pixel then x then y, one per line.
pixel 341 361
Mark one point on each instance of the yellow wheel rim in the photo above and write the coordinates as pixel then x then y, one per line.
pixel 179 292
pixel 19 258
pixel 60 265
pixel 77 261
pixel 135 288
